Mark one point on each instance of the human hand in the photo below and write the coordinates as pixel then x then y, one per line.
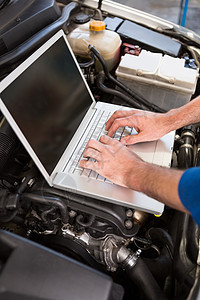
pixel 122 166
pixel 150 126
pixel 113 160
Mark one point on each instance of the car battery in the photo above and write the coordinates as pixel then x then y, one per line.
pixel 162 80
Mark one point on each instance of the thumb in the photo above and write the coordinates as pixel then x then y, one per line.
pixel 133 139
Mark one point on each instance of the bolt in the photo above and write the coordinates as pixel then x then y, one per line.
pixel 138 252
pixel 72 213
pixel 129 213
pixel 128 224
pixel 28 232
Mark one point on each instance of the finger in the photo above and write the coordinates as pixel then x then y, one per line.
pixel 134 139
pixel 87 164
pixel 118 114
pixel 91 153
pixel 95 145
pixel 120 123
pixel 111 146
pixel 106 140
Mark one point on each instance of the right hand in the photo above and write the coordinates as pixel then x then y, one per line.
pixel 150 126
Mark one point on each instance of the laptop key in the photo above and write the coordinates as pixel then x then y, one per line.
pixel 108 181
pixel 86 172
pixel 100 178
pixel 93 175
pixel 78 172
pixel 97 130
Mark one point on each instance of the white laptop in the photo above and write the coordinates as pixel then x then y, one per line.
pixel 50 107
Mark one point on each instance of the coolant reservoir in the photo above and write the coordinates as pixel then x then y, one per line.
pixel 105 41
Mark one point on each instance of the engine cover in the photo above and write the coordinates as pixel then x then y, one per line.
pixel 48 274
pixel 20 20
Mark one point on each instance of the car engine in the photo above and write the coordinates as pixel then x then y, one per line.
pixel 145 256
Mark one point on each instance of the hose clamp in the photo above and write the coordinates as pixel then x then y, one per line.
pixel 188 133
pixel 186 146
pixel 130 260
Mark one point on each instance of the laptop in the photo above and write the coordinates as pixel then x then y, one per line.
pixel 50 107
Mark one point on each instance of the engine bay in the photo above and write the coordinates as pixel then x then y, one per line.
pixel 128 61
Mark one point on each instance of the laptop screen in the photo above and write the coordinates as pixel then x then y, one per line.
pixel 48 102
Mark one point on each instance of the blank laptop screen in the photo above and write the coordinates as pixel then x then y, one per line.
pixel 48 102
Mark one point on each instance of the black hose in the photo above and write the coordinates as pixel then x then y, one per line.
pixel 88 64
pixel 80 220
pixel 45 213
pixel 36 40
pixel 162 262
pixel 100 84
pixel 142 277
pixel 137 97
pixel 186 150
pixel 12 200
pixel 99 4
pixel 113 214
pixel 160 234
pixel 51 201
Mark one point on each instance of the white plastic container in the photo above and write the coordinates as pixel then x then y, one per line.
pixel 162 80
pixel 105 41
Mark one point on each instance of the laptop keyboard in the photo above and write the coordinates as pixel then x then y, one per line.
pixel 96 131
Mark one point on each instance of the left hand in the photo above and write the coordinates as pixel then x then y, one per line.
pixel 113 160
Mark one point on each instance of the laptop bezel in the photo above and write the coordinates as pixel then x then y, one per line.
pixel 15 74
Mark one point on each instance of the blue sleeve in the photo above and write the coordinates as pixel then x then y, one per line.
pixel 189 192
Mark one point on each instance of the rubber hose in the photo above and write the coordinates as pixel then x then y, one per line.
pixel 88 64
pixel 155 265
pixel 160 234
pixel 45 213
pixel 80 220
pixel 48 201
pixel 186 150
pixel 122 86
pixel 100 84
pixel 142 277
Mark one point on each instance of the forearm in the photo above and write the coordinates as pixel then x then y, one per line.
pixel 182 116
pixel 158 183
